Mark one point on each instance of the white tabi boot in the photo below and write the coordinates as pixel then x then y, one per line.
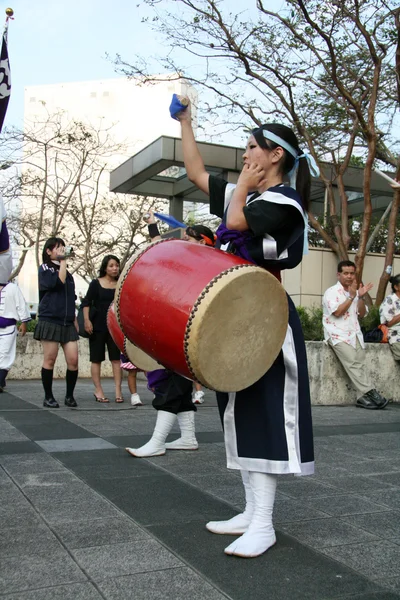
pixel 239 523
pixel 156 445
pixel 187 441
pixel 260 534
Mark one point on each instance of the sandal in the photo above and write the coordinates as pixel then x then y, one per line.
pixel 119 399
pixel 102 400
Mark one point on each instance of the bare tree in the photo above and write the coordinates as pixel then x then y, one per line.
pixel 328 68
pixel 59 186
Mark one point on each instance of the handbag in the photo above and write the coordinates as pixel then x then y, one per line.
pixel 81 320
pixel 379 335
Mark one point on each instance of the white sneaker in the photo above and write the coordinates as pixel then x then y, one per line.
pixel 135 400
pixel 198 397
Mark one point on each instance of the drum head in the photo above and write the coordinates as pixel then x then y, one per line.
pixel 140 359
pixel 236 328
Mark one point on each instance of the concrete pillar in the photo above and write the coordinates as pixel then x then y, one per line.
pixel 176 207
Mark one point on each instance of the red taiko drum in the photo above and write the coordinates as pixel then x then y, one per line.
pixel 134 354
pixel 205 314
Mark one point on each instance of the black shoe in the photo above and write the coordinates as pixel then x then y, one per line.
pixel 1 389
pixel 366 402
pixel 70 401
pixel 51 403
pixel 379 400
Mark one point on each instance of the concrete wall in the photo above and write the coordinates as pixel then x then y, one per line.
pixel 329 384
pixel 307 283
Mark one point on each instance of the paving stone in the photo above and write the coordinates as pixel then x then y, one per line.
pixel 359 484
pixel 111 456
pixel 10 495
pixel 288 509
pixel 51 479
pixel 28 540
pixel 19 448
pixel 114 560
pixel 74 493
pixel 30 463
pixel 174 584
pixel 383 524
pixel 72 591
pixel 17 515
pixel 100 532
pixel 12 435
pixel 375 467
pixel 386 497
pixel 392 583
pixel 74 445
pixel 123 468
pixel 376 596
pixel 325 532
pixel 64 512
pixel 376 560
pixel 345 505
pixel 299 488
pixel 20 573
pixel 162 499
pixel 289 570
pixel 389 478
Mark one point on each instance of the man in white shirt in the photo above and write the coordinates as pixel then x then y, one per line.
pixel 342 304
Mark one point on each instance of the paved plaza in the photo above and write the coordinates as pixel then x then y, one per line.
pixel 82 520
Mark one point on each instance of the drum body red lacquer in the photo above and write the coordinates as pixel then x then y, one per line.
pixel 187 305
pixel 114 328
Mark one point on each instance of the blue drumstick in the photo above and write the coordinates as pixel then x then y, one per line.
pixel 170 220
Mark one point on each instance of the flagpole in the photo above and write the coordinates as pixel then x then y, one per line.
pixel 9 13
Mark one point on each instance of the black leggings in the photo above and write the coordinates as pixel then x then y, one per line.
pixel 174 395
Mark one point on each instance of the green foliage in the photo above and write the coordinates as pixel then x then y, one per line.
pixel 311 323
pixel 30 326
pixel 371 320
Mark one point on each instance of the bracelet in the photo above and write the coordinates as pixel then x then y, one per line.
pixel 351 298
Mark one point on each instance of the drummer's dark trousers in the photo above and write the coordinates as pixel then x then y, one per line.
pixel 174 395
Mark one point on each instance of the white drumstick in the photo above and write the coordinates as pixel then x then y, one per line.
pixel 392 181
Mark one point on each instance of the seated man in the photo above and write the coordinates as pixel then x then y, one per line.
pixel 342 304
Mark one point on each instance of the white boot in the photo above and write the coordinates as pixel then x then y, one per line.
pixel 187 441
pixel 260 534
pixel 156 445
pixel 239 523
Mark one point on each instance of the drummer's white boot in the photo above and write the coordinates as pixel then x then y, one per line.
pixel 156 445
pixel 239 523
pixel 260 534
pixel 187 441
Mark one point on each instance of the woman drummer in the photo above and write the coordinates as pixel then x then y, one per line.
pixel 172 392
pixel 267 427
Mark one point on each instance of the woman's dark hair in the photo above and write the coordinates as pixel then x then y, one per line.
pixel 104 264
pixel 200 232
pixel 303 181
pixel 395 280
pixel 50 245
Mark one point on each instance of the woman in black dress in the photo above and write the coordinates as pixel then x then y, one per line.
pixel 267 427
pixel 57 324
pixel 99 297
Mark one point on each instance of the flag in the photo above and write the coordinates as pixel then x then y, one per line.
pixel 5 77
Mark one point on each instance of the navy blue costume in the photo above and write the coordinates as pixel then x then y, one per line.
pixel 268 426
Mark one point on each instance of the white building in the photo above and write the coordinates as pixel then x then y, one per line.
pixel 135 115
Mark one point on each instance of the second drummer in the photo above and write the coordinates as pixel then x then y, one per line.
pixel 172 392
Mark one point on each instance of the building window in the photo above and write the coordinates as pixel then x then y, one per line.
pixel 106 93
pixel 93 94
pixel 32 99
